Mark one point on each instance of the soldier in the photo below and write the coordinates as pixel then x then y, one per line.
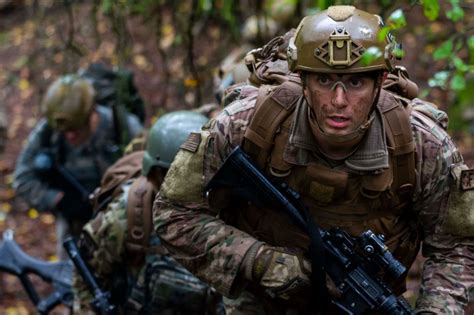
pixel 361 158
pixel 67 153
pixel 119 246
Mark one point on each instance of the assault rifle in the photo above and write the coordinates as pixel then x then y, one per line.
pixel 354 264
pixel 100 303
pixel 44 163
pixel 16 262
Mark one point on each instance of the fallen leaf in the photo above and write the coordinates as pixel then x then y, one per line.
pixel 47 218
pixel 189 82
pixel 33 213
pixel 5 207
pixel 23 84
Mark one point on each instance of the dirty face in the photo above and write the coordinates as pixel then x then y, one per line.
pixel 340 103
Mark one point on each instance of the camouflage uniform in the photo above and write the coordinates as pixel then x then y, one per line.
pixel 86 163
pixel 209 246
pixel 159 283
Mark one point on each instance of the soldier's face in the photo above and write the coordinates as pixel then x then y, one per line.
pixel 76 137
pixel 79 136
pixel 340 103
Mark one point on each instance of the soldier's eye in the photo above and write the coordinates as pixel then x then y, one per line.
pixel 355 82
pixel 324 80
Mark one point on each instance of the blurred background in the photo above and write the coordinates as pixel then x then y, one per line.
pixel 177 51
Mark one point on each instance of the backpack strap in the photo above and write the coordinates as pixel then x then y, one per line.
pixel 273 106
pixel 126 168
pixel 400 144
pixel 139 220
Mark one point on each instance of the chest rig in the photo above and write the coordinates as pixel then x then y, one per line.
pixel 335 197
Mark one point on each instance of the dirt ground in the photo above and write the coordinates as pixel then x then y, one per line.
pixel 21 87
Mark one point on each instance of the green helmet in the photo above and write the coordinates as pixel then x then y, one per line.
pixel 68 103
pixel 166 136
pixel 334 41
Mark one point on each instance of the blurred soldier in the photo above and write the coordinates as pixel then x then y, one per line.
pixel 233 69
pixel 67 153
pixel 361 158
pixel 119 243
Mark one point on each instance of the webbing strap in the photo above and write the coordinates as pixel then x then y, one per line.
pixel 401 146
pixel 139 204
pixel 273 106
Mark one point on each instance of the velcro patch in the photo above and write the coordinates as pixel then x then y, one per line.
pixel 192 143
pixel 321 192
pixel 467 179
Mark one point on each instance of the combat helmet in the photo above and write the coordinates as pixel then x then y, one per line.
pixel 68 103
pixel 166 136
pixel 334 41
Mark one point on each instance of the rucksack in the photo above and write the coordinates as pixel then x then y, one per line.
pixel 139 202
pixel 115 86
pixel 126 168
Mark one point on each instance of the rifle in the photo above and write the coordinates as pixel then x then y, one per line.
pixel 352 263
pixel 100 303
pixel 15 261
pixel 43 163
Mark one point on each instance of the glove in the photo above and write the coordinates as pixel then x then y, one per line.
pixel 282 273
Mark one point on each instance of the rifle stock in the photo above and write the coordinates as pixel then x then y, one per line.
pixel 352 263
pixel 16 262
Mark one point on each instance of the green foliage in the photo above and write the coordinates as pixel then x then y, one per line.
pixel 444 51
pixel 397 20
pixel 456 13
pixel 324 4
pixel 370 55
pixel 463 101
pixel 457 82
pixel 431 9
pixel 439 79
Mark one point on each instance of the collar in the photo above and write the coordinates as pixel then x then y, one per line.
pixel 371 155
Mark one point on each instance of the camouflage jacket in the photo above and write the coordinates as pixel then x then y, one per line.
pixel 214 250
pixel 158 285
pixel 86 163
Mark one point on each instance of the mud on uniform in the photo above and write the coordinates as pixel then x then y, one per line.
pixel 212 243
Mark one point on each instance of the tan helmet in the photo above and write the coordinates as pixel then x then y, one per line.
pixel 68 103
pixel 334 41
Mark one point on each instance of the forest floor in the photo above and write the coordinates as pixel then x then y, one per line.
pixel 35 232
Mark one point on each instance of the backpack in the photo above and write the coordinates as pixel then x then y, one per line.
pixel 115 86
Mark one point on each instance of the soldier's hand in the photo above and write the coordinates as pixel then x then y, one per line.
pixel 281 273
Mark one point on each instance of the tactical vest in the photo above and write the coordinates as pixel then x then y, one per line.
pixel 334 197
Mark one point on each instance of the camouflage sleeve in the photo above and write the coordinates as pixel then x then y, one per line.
pixel 27 183
pixel 195 236
pixel 102 244
pixel 448 276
